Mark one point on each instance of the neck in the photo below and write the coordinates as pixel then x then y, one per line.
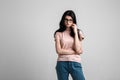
pixel 67 29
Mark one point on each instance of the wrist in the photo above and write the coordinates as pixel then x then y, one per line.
pixel 76 33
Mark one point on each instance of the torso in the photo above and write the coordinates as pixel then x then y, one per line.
pixel 67 42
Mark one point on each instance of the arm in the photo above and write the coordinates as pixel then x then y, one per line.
pixel 77 42
pixel 59 50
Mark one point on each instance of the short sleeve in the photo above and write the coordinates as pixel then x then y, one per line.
pixel 57 36
pixel 81 35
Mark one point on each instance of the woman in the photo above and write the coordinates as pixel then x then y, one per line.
pixel 68 43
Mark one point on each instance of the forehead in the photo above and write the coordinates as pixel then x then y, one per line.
pixel 68 17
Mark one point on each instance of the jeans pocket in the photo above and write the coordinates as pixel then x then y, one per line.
pixel 78 65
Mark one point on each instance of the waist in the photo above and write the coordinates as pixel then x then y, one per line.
pixel 75 58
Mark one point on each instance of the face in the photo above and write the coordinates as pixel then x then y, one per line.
pixel 68 21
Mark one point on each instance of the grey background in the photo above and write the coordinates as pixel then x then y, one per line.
pixel 27 50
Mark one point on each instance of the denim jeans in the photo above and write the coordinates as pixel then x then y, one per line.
pixel 64 68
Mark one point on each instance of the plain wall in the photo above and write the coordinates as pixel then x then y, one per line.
pixel 27 50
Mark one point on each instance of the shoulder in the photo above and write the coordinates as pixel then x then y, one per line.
pixel 58 35
pixel 81 34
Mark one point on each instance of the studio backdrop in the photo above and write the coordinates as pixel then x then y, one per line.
pixel 27 47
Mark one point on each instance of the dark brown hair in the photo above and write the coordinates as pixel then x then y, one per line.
pixel 62 26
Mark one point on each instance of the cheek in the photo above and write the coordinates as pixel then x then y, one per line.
pixel 68 23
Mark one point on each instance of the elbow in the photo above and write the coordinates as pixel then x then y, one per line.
pixel 80 51
pixel 59 51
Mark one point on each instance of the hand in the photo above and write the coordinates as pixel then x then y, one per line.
pixel 74 27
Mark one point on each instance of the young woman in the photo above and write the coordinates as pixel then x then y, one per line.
pixel 68 43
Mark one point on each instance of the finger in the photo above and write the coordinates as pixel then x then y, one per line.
pixel 73 24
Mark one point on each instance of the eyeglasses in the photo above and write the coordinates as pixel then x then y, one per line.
pixel 70 20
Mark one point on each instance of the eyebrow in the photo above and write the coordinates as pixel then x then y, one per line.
pixel 68 19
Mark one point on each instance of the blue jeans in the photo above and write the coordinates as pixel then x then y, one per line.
pixel 64 68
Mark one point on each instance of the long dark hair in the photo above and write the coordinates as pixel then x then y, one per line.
pixel 62 26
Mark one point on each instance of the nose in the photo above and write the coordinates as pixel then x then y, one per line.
pixel 67 22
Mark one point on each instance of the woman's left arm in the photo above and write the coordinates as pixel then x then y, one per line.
pixel 77 41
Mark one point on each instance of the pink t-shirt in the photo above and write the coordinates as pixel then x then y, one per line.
pixel 67 42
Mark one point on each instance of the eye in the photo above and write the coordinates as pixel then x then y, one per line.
pixel 69 20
